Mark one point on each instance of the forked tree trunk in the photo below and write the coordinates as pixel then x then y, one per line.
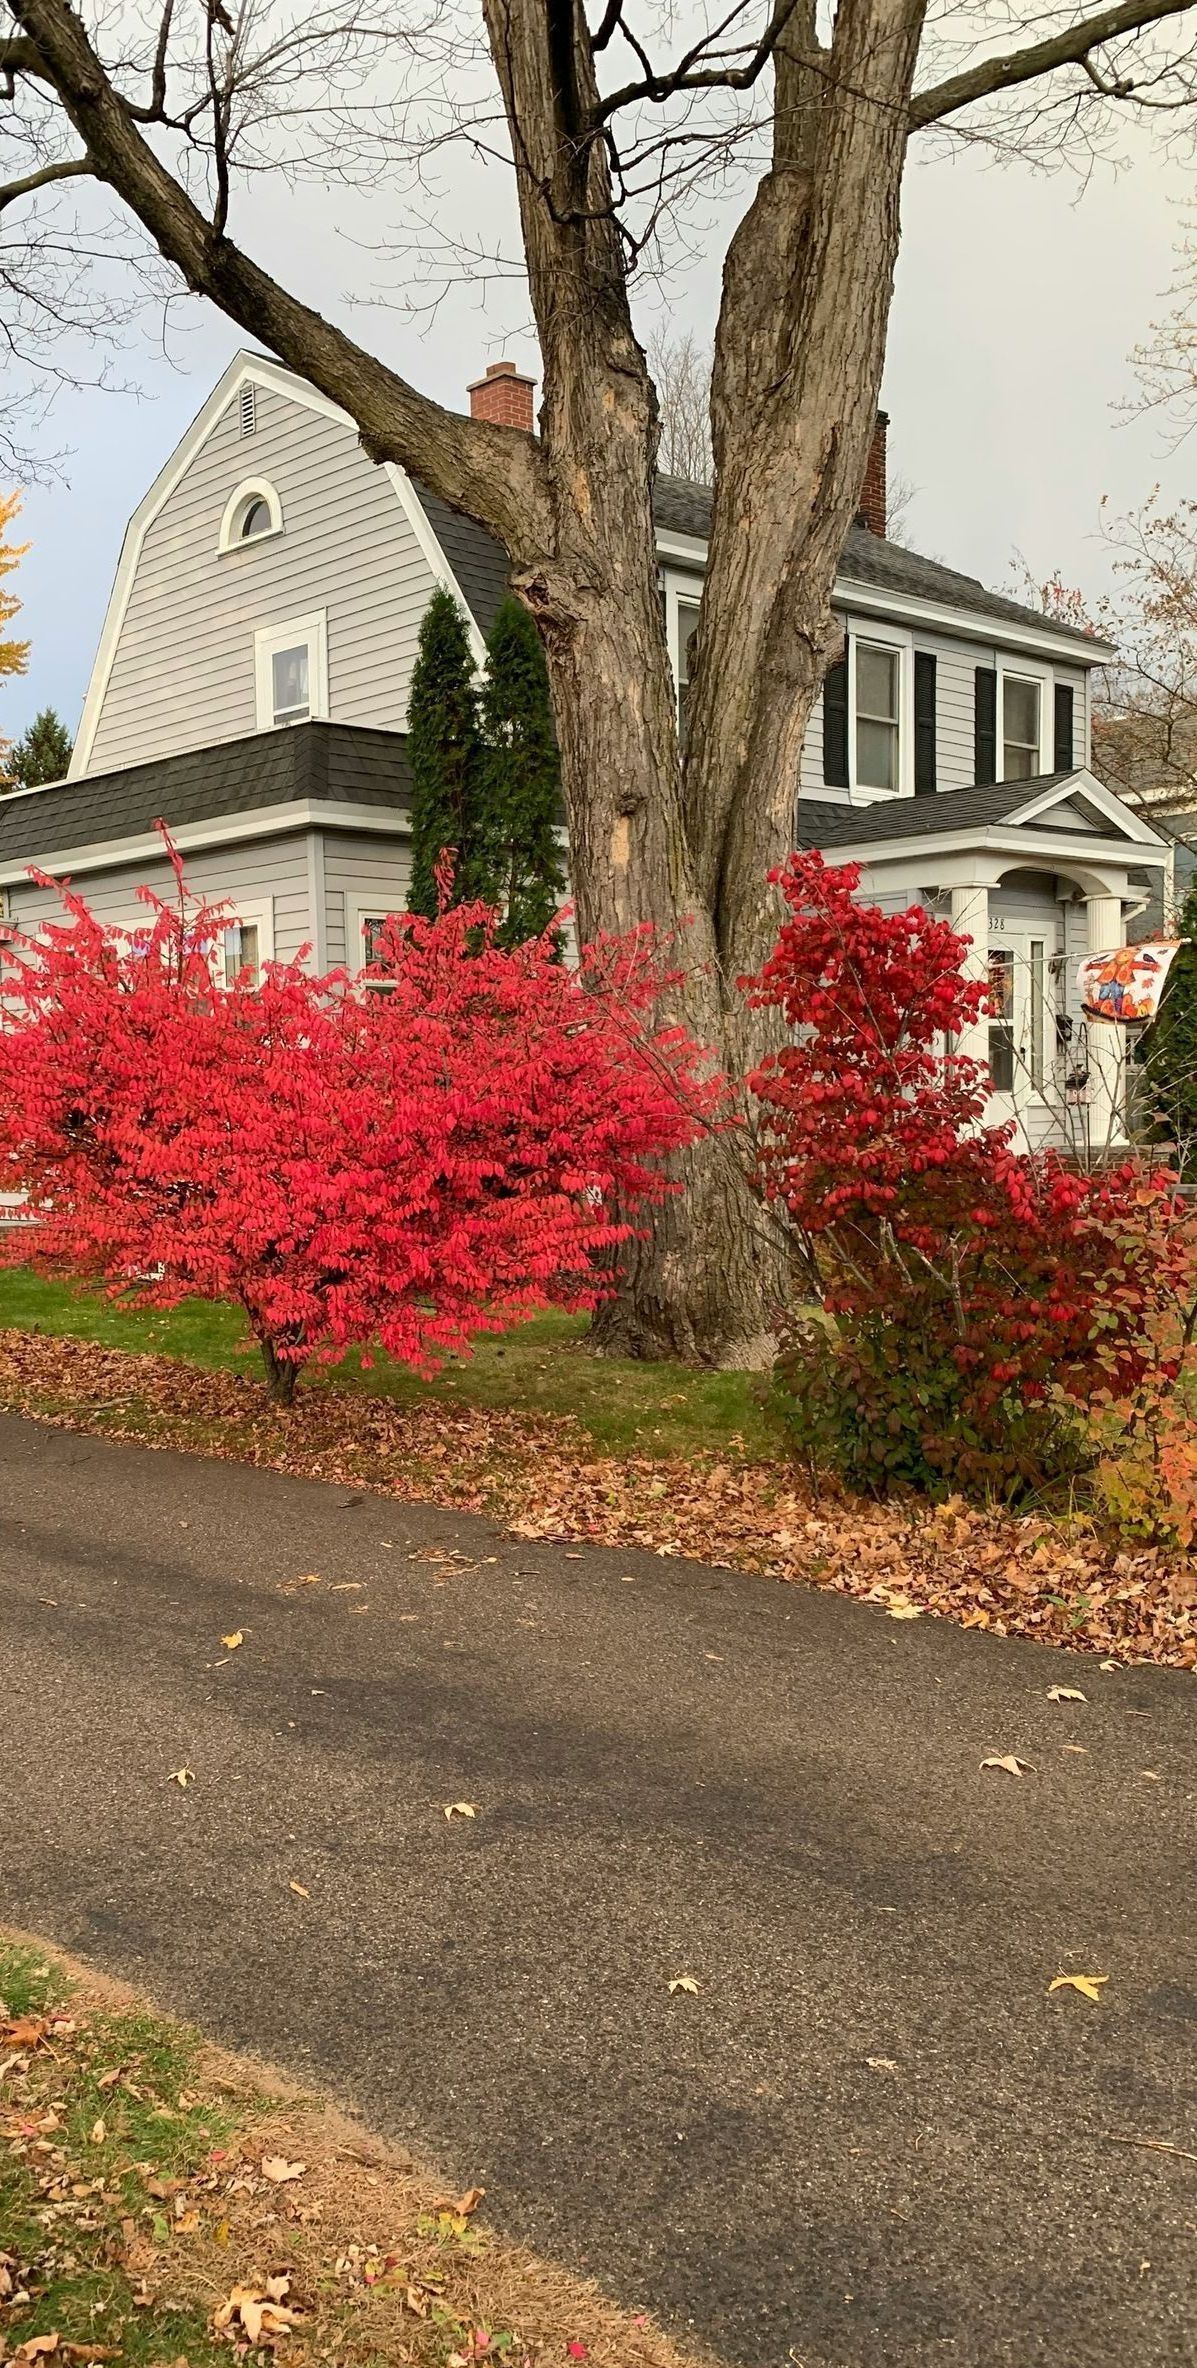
pixel 799 353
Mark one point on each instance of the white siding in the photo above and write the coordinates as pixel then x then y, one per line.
pixel 274 868
pixel 358 869
pixel 183 673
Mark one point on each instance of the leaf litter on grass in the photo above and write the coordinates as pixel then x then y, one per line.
pixel 543 1476
pixel 209 2212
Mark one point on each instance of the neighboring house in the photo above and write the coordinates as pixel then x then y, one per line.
pixel 251 687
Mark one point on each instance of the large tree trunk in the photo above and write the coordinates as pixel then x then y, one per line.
pixel 805 304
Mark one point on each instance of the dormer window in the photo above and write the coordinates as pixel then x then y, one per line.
pixel 1021 732
pixel 251 513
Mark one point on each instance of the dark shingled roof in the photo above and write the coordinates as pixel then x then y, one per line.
pixel 477 560
pixel 821 824
pixel 681 508
pixel 341 763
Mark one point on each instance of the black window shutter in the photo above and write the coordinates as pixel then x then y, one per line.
pixel 1065 759
pixel 985 723
pixel 924 723
pixel 835 725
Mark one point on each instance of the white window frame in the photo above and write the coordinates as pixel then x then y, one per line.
pixel 359 910
pixel 268 640
pixel 893 639
pixel 1026 670
pixel 251 489
pixel 680 591
pixel 246 912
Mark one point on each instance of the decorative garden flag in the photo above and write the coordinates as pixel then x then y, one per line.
pixel 1127 985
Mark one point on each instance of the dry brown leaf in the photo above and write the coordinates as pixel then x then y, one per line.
pixel 1065 1694
pixel 1008 1760
pixel 231 1642
pixel 261 2318
pixel 98 2133
pixel 1090 1985
pixel 461 2206
pixel 27 2031
pixel 279 2171
pixel 686 1982
pixel 182 1777
pixel 461 1809
pixel 904 1611
pixel 38 2347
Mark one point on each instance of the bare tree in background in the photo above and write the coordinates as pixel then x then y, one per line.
pixel 612 119
pixel 681 371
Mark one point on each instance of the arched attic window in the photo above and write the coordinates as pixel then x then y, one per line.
pixel 250 513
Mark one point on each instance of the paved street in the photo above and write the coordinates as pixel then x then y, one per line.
pixel 871 2138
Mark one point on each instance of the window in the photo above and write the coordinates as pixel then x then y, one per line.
pixel 687 631
pixel 878 675
pixel 291 669
pixel 1021 701
pixel 245 944
pixel 1001 1019
pixel 252 511
pixel 364 925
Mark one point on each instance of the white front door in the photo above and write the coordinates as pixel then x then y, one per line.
pixel 1024 991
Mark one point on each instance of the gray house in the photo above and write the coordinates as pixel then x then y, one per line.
pixel 251 686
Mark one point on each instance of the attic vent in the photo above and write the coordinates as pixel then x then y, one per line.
pixel 249 409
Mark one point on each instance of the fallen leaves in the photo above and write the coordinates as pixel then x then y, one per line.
pixel 231 1642
pixel 543 1474
pixel 1090 1985
pixel 256 2313
pixel 300 1889
pixel 686 1982
pixel 1009 1760
pixel 459 2206
pixel 279 2171
pixel 182 1777
pixel 461 1809
pixel 1065 1694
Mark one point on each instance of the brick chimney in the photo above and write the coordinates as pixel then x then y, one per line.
pixel 873 505
pixel 504 397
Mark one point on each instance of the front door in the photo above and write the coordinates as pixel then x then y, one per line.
pixel 1023 987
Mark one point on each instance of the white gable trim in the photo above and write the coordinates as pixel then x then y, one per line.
pixel 1085 784
pixel 244 370
pixel 1004 844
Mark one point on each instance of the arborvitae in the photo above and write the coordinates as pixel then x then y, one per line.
pixel 1170 1050
pixel 41 754
pixel 443 749
pixel 521 777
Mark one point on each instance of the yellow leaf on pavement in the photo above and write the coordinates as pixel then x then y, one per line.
pixel 461 1809
pixel 904 1611
pixel 182 1777
pixel 686 1982
pixel 1009 1760
pixel 232 1642
pixel 1090 1985
pixel 298 1889
pixel 1065 1694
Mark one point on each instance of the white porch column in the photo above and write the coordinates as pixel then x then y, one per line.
pixel 1107 1041
pixel 970 918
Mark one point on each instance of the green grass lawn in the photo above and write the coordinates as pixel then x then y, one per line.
pixel 539 1368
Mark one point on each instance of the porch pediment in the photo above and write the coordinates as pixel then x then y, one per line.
pixel 1007 821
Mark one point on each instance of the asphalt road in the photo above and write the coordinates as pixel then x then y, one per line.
pixel 871 2138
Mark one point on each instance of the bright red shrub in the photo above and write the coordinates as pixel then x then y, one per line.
pixel 407 1165
pixel 971 1284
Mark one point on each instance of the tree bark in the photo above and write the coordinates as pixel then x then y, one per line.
pixel 282 1373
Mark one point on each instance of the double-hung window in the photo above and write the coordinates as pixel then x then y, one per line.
pixel 1022 726
pixel 878 716
pixel 246 944
pixel 687 634
pixel 291 671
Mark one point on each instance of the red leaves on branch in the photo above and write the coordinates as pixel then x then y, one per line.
pixel 971 1281
pixel 408 1163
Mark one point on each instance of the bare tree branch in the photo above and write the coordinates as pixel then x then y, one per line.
pixel 1070 47
pixel 493 473
pixel 71 168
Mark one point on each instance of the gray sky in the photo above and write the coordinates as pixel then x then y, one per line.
pixel 1019 299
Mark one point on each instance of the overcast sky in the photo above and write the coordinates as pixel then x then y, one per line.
pixel 1019 300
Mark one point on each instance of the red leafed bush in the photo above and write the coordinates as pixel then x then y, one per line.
pixel 979 1294
pixel 408 1164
